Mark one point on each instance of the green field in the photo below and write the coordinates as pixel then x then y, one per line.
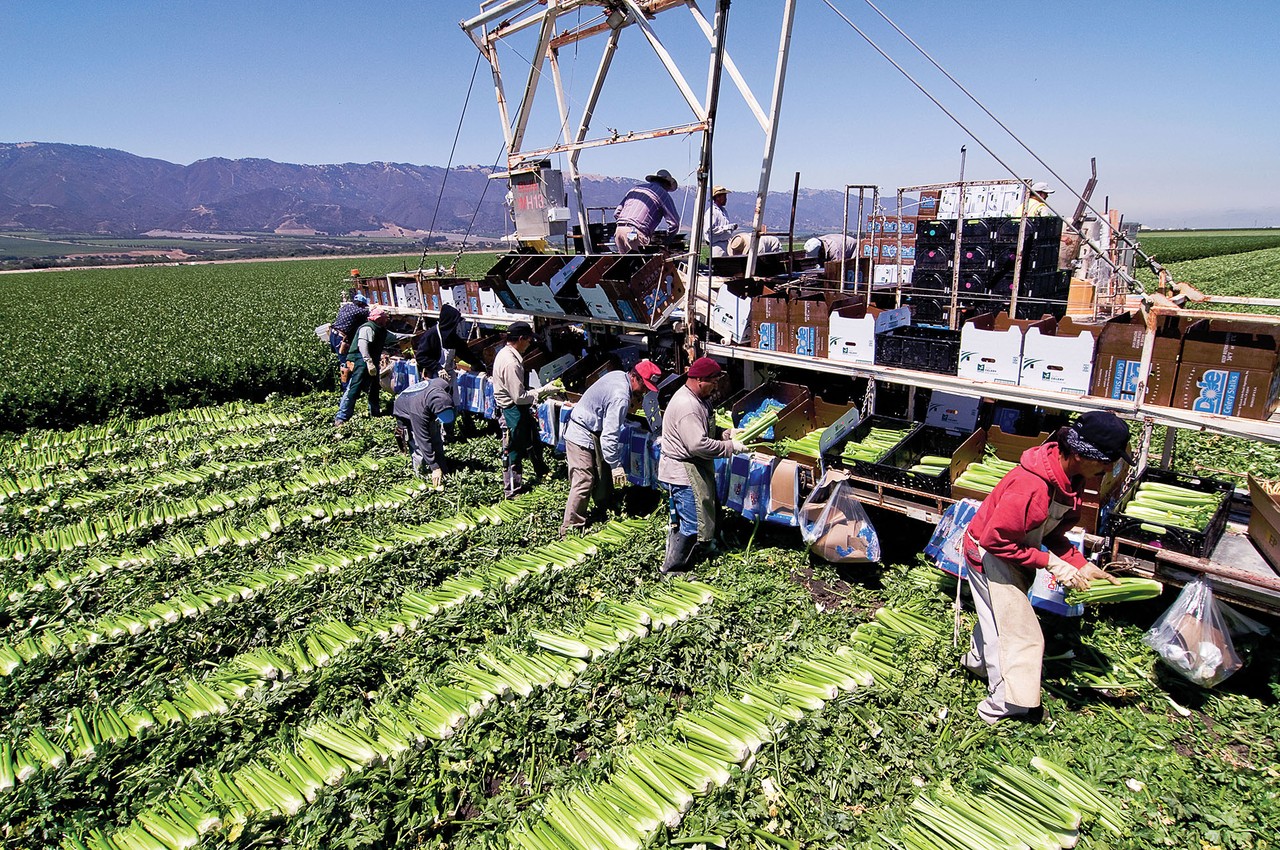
pixel 88 344
pixel 1176 246
pixel 275 637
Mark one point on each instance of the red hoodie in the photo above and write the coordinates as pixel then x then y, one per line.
pixel 1020 504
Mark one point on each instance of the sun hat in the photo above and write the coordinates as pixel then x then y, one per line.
pixel 719 190
pixel 649 373
pixel 1100 435
pixel 703 368
pixel 664 177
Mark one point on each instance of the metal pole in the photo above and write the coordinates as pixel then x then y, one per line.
pixel 953 322
pixel 771 137
pixel 791 228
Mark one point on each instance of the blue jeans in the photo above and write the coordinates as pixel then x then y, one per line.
pixel 360 380
pixel 683 508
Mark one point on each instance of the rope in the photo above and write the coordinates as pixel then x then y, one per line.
pixel 1147 257
pixel 431 230
pixel 973 135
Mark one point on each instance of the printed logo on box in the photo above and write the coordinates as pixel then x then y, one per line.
pixel 1219 389
pixel 1124 380
pixel 807 341
pixel 768 336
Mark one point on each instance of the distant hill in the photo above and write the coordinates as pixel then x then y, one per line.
pixel 58 188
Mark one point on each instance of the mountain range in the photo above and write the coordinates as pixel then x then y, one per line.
pixel 61 188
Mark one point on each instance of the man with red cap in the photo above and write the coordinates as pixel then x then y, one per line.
pixel 593 439
pixel 687 465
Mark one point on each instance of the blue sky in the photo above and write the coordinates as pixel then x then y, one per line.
pixel 1176 101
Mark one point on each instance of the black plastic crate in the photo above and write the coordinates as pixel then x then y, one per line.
pixel 895 468
pixel 1036 308
pixel 935 232
pixel 934 258
pixel 864 468
pixel 920 348
pixel 1197 543
pixel 930 281
pixel 973 257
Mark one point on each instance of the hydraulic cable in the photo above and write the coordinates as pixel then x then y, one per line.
pixel 1146 257
pixel 1102 253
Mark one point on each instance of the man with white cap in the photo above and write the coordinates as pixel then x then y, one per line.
pixel 363 359
pixel 422 410
pixel 643 209
pixel 719 229
pixel 687 464
pixel 831 247
pixel 1037 202
pixel 593 438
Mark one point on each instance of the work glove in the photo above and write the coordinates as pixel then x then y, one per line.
pixel 729 433
pixel 619 477
pixel 368 365
pixel 738 446
pixel 443 373
pixel 1067 575
pixel 1091 572
pixel 437 478
pixel 546 390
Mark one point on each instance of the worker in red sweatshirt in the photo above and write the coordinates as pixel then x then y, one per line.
pixel 1020 528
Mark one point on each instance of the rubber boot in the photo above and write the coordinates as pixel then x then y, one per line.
pixel 679 552
pixel 512 481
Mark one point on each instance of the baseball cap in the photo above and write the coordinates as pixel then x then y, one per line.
pixel 360 298
pixel 376 313
pixel 1100 435
pixel 703 367
pixel 519 330
pixel 649 373
pixel 1041 188
pixel 813 247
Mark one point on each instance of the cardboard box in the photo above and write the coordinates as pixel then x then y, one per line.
pixel 1119 357
pixel 1264 521
pixel 1098 493
pixel 851 331
pixel 1006 447
pixel 529 284
pixel 636 288
pixel 1061 362
pixel 952 413
pixel 991 347
pixel 1228 368
pixel 808 316
pixel 770 321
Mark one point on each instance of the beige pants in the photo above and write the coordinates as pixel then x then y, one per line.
pixel 628 238
pixel 589 477
pixel 1008 645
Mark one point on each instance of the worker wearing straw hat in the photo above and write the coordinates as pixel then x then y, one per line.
pixel 719 229
pixel 643 209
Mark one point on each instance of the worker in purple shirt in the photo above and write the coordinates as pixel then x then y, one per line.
pixel 642 209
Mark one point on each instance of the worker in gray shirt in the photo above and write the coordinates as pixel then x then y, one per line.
pixel 516 417
pixel 831 247
pixel 593 439
pixel 687 464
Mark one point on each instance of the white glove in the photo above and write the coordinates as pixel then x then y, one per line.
pixel 619 477
pixel 738 446
pixel 546 390
pixel 1067 575
pixel 437 478
pixel 368 365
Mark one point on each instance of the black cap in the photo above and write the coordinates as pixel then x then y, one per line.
pixel 1101 436
pixel 519 330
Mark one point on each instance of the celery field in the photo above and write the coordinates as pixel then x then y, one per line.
pixel 87 344
pixel 228 627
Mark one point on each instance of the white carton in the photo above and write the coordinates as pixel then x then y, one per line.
pixel 730 316
pixel 991 348
pixel 536 298
pixel 851 331
pixel 1062 362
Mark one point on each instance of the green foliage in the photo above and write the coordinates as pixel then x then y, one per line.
pixel 86 345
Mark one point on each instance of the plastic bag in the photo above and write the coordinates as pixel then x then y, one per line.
pixel 945 547
pixel 834 524
pixel 1193 639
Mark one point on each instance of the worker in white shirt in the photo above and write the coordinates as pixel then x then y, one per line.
pixel 516 417
pixel 719 229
